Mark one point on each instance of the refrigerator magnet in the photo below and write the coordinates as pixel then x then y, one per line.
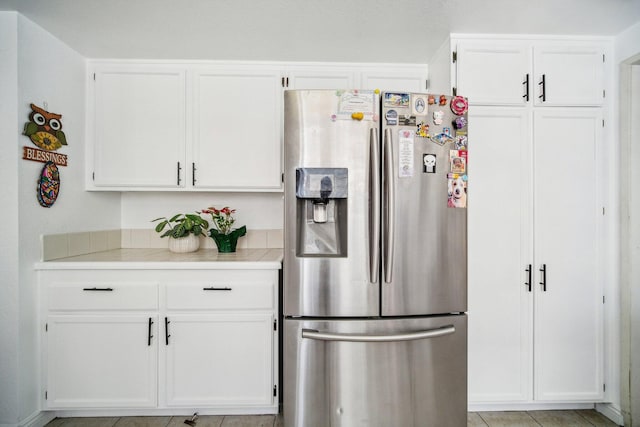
pixel 405 153
pixel 459 105
pixel 458 161
pixel 429 163
pixel 392 117
pixel 461 142
pixel 396 99
pixel 419 104
pixel 422 130
pixel 443 137
pixel 457 191
pixel 438 117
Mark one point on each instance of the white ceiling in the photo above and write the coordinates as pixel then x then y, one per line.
pixel 307 30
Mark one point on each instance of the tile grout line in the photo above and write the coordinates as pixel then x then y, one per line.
pixel 534 419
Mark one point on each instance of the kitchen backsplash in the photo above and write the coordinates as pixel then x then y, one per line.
pixel 56 246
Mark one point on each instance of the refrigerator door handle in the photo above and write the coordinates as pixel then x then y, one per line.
pixel 403 336
pixel 389 207
pixel 374 207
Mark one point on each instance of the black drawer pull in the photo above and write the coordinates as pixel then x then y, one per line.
pixel 213 288
pixel 98 289
pixel 166 331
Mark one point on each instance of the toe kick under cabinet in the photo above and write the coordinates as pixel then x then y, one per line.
pixel 162 339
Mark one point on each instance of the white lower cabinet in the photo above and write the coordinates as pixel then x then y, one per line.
pixel 161 339
pixel 535 255
pixel 102 361
pixel 221 359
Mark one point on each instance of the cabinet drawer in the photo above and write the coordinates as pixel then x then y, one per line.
pixel 220 295
pixel 103 296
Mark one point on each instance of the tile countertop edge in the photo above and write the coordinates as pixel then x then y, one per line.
pixel 269 259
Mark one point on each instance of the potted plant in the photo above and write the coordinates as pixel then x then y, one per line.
pixel 183 231
pixel 222 233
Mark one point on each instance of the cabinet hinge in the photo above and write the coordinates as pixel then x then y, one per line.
pixel 282 178
pixel 603 211
pixel 455 91
pixel 275 324
pixel 604 93
pixel 602 122
pixel 94 77
pixel 275 390
pixel 603 299
pixel 454 56
pixel 604 387
pixel 46 395
pixel 603 57
pixel 283 82
pixel 46 327
pixel 426 84
pixel 93 176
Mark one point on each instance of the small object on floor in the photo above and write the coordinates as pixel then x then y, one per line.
pixel 192 421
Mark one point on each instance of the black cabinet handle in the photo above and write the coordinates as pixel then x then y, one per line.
pixel 526 88
pixel 166 330
pixel 149 336
pixel 528 282
pixel 193 174
pixel 543 270
pixel 542 83
pixel 178 173
pixel 213 288
pixel 98 289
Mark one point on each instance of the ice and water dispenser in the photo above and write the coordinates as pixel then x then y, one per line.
pixel 321 212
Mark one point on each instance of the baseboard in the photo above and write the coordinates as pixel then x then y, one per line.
pixel 526 406
pixel 611 411
pixel 37 419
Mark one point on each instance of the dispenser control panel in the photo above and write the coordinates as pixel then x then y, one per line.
pixel 321 183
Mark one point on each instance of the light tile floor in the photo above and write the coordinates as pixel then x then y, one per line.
pixel 577 418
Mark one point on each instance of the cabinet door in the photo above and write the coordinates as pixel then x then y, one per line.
pixel 568 223
pixel 499 242
pixel 101 361
pixel 494 72
pixel 219 360
pixel 573 76
pixel 139 127
pixel 318 77
pixel 237 137
pixel 399 79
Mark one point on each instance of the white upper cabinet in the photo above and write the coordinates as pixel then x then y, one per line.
pixel 395 78
pixel 568 75
pixel 321 77
pixel 529 72
pixel 138 127
pixel 236 125
pixel 493 72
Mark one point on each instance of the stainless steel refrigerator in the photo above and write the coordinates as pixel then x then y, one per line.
pixel 375 265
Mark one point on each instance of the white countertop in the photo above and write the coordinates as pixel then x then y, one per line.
pixel 162 259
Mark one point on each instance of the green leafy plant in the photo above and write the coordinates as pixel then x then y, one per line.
pixel 181 225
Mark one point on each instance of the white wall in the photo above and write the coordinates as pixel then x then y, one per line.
pixel 45 70
pixel 8 223
pixel 627 49
pixel 258 211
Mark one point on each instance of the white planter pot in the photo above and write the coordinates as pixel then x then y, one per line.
pixel 190 243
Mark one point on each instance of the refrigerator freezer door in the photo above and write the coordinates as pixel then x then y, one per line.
pixel 392 372
pixel 424 241
pixel 331 244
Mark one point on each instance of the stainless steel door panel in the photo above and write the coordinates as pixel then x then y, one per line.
pixel 370 381
pixel 426 240
pixel 330 286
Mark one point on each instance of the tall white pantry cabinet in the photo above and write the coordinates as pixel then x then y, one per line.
pixel 536 218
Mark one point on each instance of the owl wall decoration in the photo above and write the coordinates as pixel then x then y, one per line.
pixel 45 129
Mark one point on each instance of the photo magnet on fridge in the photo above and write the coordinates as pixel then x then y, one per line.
pixel 457 190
